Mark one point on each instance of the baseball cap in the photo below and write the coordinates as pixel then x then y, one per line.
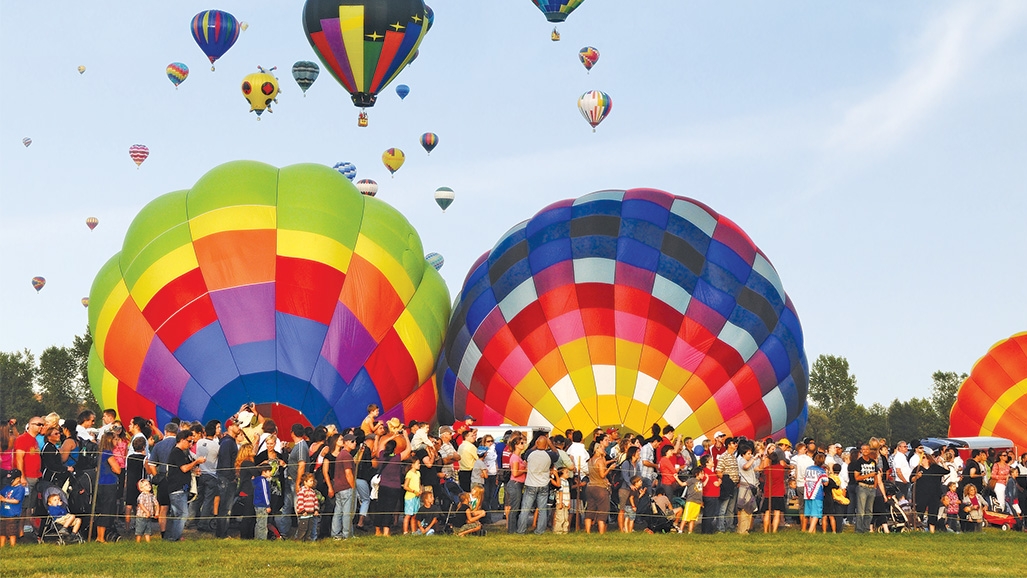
pixel 445 429
pixel 349 437
pixel 784 442
pixel 469 417
pixel 718 434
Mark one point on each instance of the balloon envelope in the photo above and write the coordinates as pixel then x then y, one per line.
pixel 429 141
pixel 625 308
pixel 92 222
pixel 37 283
pixel 588 56
pixel 364 44
pixel 215 32
pixel 177 73
pixel 81 69
pixel 435 260
pixel 393 159
pixel 305 73
pixel 260 89
pixel 26 141
pixel 557 10
pixel 138 153
pixel 85 301
pixel 595 106
pixel 367 187
pixel 444 197
pixel 402 90
pixel 993 399
pixel 267 285
pixel 348 170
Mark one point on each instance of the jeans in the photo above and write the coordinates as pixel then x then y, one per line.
pixel 364 494
pixel 228 492
pixel 514 490
pixel 28 503
pixel 864 507
pixel 283 521
pixel 342 519
pixel 534 497
pixel 491 504
pixel 260 530
pixel 176 517
pixel 206 488
pixel 726 520
pixel 710 509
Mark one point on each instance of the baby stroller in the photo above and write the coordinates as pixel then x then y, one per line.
pixel 900 517
pixel 49 530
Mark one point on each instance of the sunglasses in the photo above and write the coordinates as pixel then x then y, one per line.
pixel 39 424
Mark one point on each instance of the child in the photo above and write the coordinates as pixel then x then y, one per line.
pixel 973 509
pixel 262 500
pixel 412 497
pixel 306 506
pixel 562 489
pixel 835 499
pixel 146 512
pixel 428 514
pixel 631 510
pixel 693 500
pixel 59 512
pixel 950 508
pixel 813 492
pixel 479 471
pixel 468 515
pixel 11 497
pixel 369 421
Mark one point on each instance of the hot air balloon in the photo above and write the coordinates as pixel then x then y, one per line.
pixel 305 73
pixel 429 141
pixel 177 73
pixel 429 15
pixel 348 170
pixel 435 260
pixel 81 69
pixel 26 141
pixel 364 43
pixel 85 301
pixel 444 197
pixel 267 285
pixel 138 153
pixel 595 106
pixel 393 159
pixel 402 90
pixel 92 222
pixel 626 308
pixel 37 283
pixel 367 187
pixel 557 10
pixel 993 400
pixel 215 32
pixel 555 35
pixel 243 26
pixel 588 56
pixel 260 89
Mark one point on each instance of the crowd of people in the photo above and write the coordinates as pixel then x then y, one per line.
pixel 105 480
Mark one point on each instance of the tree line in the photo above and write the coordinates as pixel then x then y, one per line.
pixel 834 415
pixel 58 382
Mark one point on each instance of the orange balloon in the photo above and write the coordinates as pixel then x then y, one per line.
pixel 993 400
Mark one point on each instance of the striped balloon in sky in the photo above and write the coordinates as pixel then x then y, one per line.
pixel 993 400
pixel 214 31
pixel 177 73
pixel 267 285
pixel 625 308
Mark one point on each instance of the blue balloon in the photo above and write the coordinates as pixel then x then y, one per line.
pixel 348 170
pixel 402 90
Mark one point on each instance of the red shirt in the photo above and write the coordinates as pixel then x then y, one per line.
pixel 774 476
pixel 710 489
pixel 32 466
pixel 668 471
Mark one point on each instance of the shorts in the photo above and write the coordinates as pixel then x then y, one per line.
pixel 163 496
pixel 10 526
pixel 629 513
pixel 622 498
pixel 692 510
pixel 411 505
pixel 466 527
pixel 813 508
pixel 147 526
pixel 65 520
pixel 778 504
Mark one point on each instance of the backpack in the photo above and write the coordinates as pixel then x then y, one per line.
pixel 88 454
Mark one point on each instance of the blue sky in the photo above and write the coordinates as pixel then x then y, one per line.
pixel 874 151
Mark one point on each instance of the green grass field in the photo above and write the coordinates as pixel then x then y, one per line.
pixel 790 553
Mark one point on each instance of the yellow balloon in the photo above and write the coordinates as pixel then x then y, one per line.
pixel 81 69
pixel 260 89
pixel 393 159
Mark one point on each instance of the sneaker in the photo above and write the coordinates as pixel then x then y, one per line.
pixel 338 538
pixel 27 528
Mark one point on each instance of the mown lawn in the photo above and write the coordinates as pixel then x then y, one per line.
pixel 789 553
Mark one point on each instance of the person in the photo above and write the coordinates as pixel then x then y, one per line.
pixel 412 497
pixel 11 497
pixel 390 487
pixel 134 470
pixel 479 471
pixel 491 459
pixel 364 471
pixel 835 499
pixel 428 514
pixel 562 492
pixel 228 490
pixel 28 461
pixel 262 500
pixel 951 504
pixel 868 479
pixel 972 509
pixel 539 464
pixel 650 461
pixel 626 471
pixel 727 469
pixel 146 511
pixel 306 506
pixel 693 498
pixel 180 467
pixel 470 516
pixel 158 465
pixel 635 489
pixel 58 510
pixel 814 482
pixel 927 487
pixel 344 487
pixel 710 494
pixel 749 466
pixel 461 426
pixel 368 425
pixel 775 474
pixel 1000 472
pixel 107 486
pixel 207 482
pixel 245 471
pixel 468 451
pixel 515 487
pixel 597 492
pixel 973 472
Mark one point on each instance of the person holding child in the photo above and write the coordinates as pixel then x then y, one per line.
pixel 471 516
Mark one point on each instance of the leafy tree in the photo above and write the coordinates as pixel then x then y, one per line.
pixel 943 392
pixel 17 375
pixel 80 349
pixel 58 381
pixel 830 385
pixel 913 420
pixel 820 426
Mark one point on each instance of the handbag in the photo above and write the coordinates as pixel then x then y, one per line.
pixel 375 482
